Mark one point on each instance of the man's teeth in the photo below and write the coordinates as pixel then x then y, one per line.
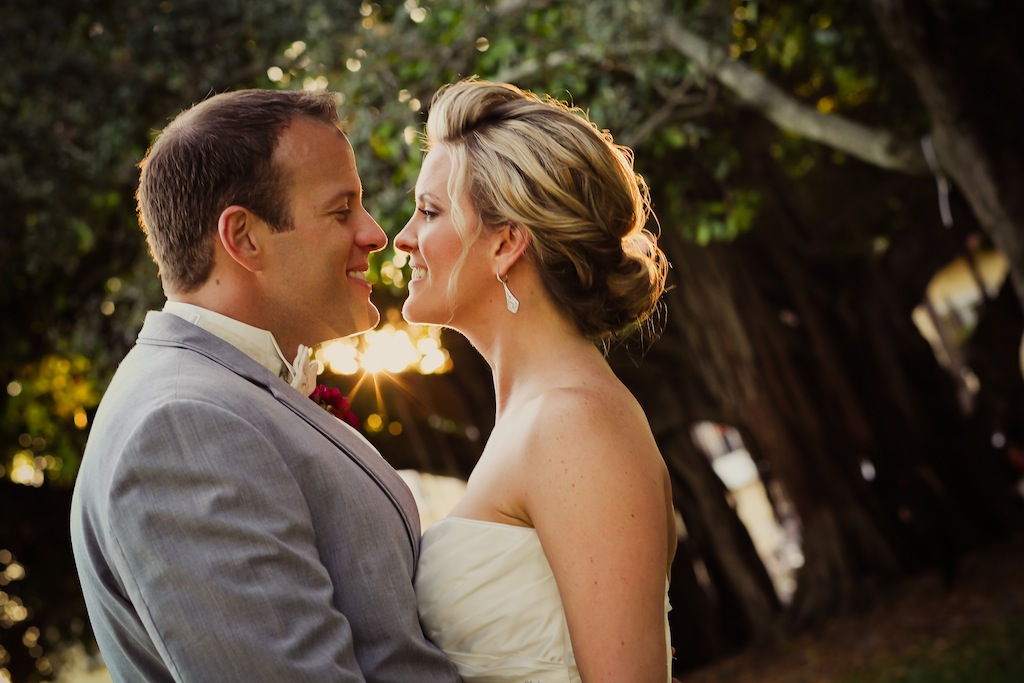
pixel 356 273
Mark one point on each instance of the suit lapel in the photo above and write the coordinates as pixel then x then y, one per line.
pixel 359 449
pixel 167 329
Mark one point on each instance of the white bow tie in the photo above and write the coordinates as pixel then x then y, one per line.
pixel 304 371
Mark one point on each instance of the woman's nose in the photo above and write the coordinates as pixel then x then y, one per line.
pixel 405 240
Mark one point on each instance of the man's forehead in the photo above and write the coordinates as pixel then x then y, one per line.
pixel 305 136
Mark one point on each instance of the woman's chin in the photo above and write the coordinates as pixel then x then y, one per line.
pixel 415 314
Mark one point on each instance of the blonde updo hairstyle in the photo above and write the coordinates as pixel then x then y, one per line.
pixel 544 167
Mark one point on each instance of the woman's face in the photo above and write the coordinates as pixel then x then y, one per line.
pixel 441 290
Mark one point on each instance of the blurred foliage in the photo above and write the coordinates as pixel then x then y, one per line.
pixel 614 59
pixel 93 82
pixel 84 87
pixel 86 84
pixel 48 407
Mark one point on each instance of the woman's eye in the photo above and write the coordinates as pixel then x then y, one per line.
pixel 427 213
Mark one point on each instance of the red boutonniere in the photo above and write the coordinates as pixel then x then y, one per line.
pixel 331 400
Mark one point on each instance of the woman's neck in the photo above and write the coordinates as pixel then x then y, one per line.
pixel 539 356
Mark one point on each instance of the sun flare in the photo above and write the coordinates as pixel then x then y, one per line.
pixel 393 348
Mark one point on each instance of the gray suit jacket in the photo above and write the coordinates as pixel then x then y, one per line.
pixel 226 528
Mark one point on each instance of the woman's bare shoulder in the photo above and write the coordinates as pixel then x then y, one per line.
pixel 596 427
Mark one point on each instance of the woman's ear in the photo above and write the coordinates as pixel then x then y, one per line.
pixel 237 231
pixel 510 244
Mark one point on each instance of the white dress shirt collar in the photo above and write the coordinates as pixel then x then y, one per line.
pixel 254 342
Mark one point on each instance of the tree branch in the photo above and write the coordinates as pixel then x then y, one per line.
pixel 673 101
pixel 878 147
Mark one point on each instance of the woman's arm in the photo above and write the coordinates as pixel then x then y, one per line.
pixel 596 491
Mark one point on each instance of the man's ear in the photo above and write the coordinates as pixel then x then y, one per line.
pixel 511 242
pixel 237 231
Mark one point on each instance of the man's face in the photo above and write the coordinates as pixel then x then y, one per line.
pixel 316 274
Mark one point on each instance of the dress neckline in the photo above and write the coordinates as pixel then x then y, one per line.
pixel 481 522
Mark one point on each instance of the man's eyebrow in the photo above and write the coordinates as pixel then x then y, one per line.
pixel 345 195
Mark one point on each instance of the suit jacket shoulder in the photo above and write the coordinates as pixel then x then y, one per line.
pixel 215 502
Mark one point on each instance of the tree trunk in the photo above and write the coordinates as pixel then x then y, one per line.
pixel 818 434
pixel 959 53
pixel 693 375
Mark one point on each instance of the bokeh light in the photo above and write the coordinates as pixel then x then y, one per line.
pixel 24 470
pixel 12 609
pixel 374 422
pixel 393 348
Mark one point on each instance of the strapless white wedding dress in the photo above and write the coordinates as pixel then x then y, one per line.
pixel 488 599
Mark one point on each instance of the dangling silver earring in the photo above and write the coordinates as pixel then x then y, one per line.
pixel 510 300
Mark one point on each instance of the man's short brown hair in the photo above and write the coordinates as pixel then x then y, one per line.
pixel 213 155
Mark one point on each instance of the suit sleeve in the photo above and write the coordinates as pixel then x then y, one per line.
pixel 215 546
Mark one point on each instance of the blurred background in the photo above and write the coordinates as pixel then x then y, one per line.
pixel 837 393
